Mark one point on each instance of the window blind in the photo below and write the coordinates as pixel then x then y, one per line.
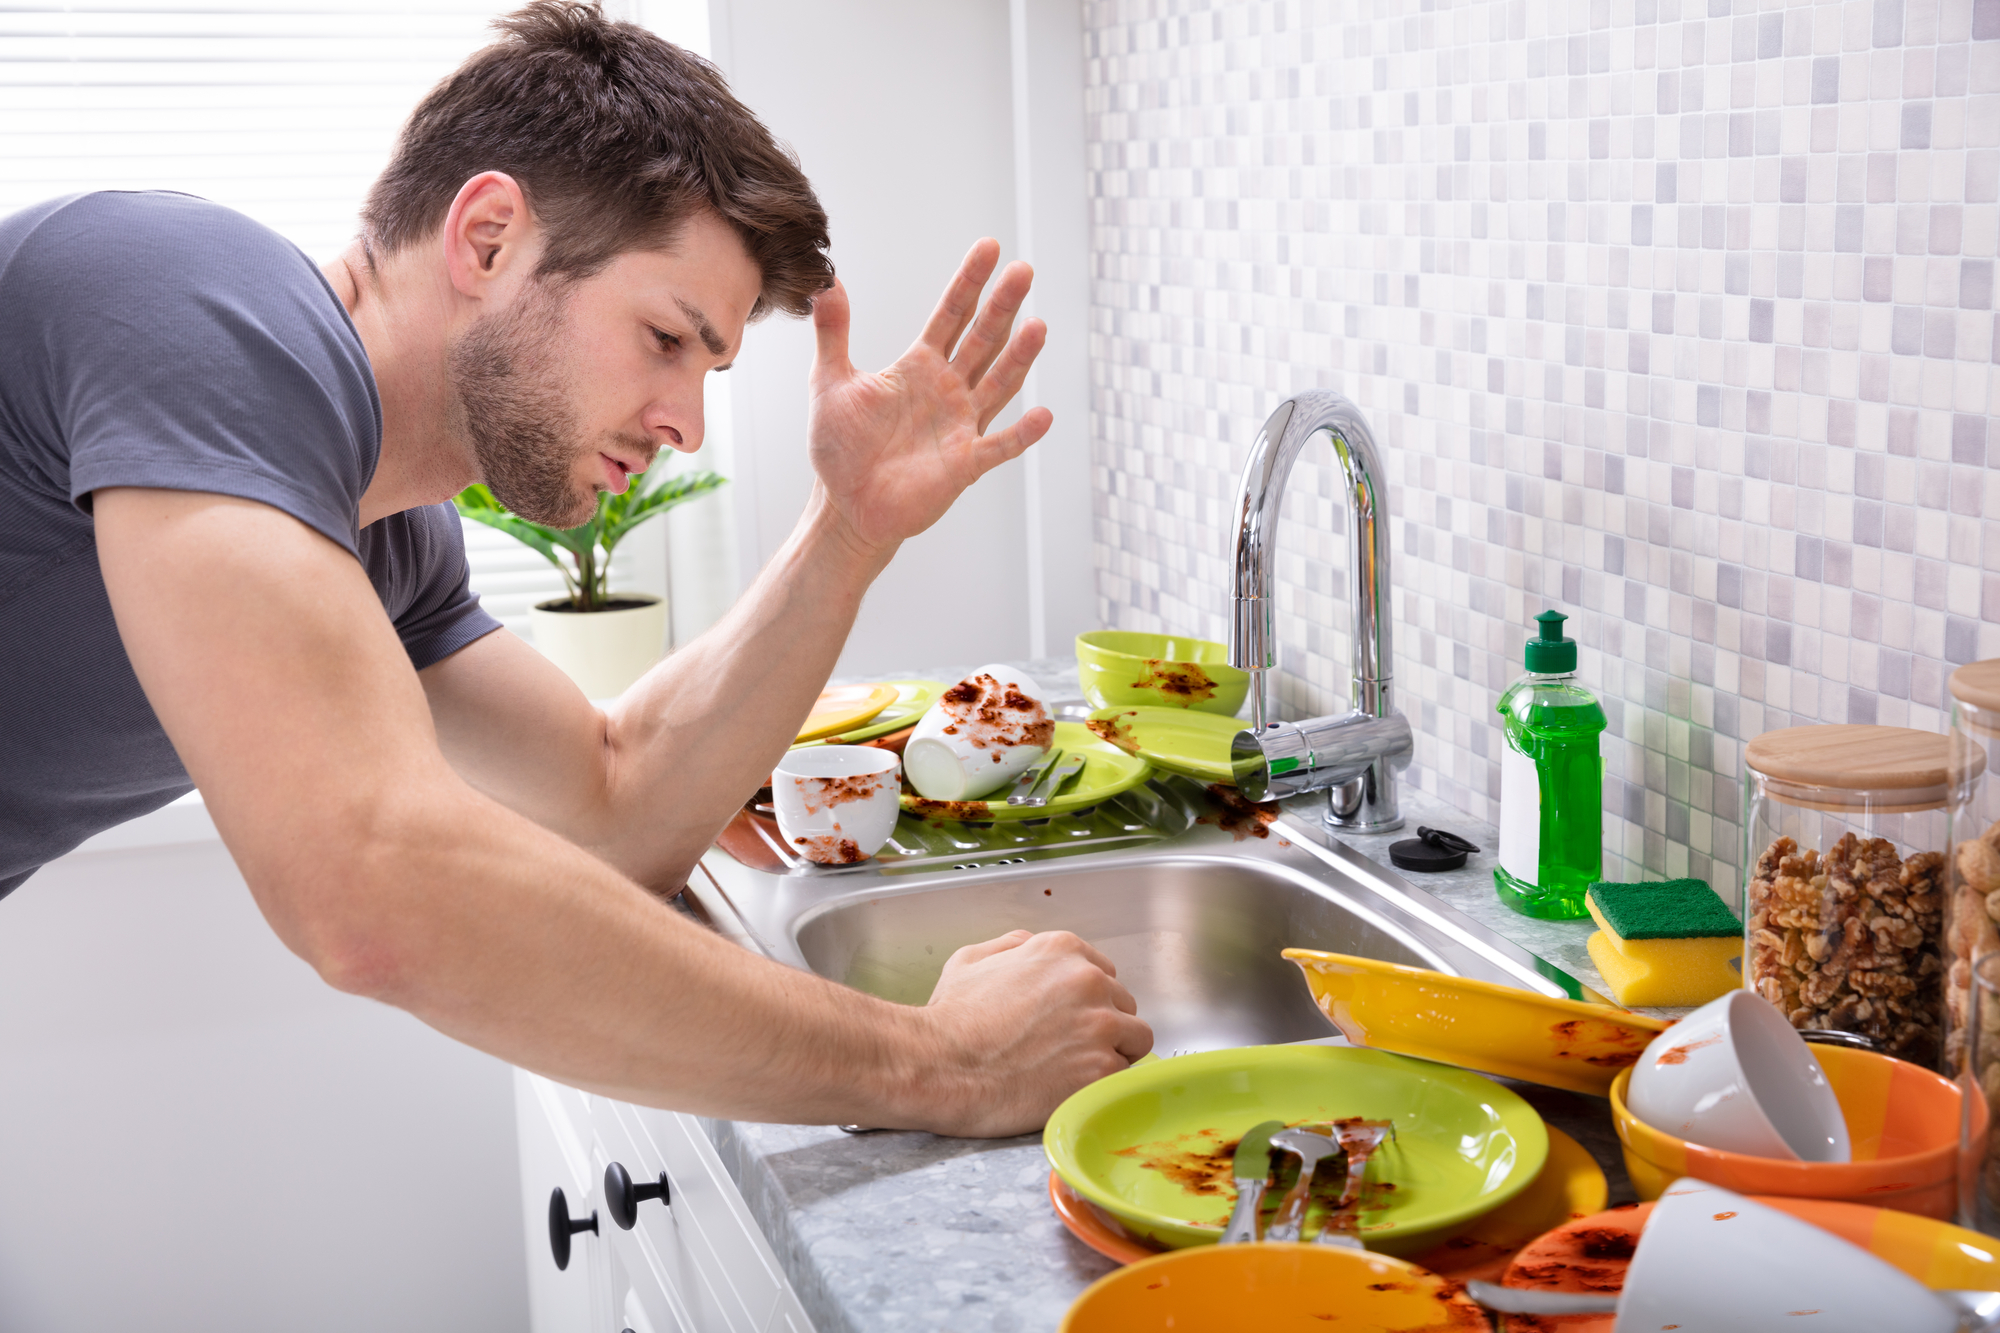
pixel 284 111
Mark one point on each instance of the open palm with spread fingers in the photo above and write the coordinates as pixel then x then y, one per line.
pixel 894 448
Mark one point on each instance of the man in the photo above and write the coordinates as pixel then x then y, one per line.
pixel 227 559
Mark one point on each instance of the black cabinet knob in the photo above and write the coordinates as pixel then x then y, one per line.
pixel 562 1226
pixel 623 1198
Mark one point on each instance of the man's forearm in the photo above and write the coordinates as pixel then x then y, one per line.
pixel 505 936
pixel 688 743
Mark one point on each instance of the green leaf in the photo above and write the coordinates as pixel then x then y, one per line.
pixel 639 504
pixel 589 544
pixel 477 502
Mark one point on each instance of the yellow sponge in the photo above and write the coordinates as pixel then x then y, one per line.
pixel 1664 973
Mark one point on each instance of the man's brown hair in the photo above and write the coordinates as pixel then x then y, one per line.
pixel 617 137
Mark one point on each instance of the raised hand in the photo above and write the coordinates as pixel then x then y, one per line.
pixel 894 448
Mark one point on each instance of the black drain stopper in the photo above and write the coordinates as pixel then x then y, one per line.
pixel 1432 849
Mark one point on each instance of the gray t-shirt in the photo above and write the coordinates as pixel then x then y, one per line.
pixel 151 339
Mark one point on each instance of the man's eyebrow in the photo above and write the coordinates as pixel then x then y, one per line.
pixel 703 329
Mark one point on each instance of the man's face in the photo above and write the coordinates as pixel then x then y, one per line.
pixel 574 387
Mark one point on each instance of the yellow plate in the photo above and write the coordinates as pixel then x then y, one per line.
pixel 1107 771
pixel 841 707
pixel 1272 1289
pixel 912 698
pixel 1476 1024
pixel 1180 740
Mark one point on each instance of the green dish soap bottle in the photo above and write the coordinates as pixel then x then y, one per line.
pixel 1551 783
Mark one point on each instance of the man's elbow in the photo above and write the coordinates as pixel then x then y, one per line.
pixel 357 916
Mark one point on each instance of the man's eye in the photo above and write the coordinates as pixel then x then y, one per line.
pixel 668 341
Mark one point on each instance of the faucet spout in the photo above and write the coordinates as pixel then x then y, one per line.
pixel 1288 754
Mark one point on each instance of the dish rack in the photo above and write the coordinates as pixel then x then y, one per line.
pixel 1164 806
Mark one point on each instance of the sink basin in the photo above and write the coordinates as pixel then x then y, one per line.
pixel 1194 920
pixel 1195 939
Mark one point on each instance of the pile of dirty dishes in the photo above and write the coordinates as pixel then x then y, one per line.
pixel 1733 1095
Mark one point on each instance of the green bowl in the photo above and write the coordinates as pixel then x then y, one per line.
pixel 1118 668
pixel 1152 1145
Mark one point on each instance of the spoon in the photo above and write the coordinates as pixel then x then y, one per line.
pixel 1309 1148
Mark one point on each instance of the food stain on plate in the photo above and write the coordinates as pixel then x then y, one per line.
pixel 1116 730
pixel 1176 680
pixel 1604 1045
pixel 1201 1162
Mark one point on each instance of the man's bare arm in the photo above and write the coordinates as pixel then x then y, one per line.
pixel 267 658
pixel 648 785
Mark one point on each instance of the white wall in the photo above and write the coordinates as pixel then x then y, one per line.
pixel 197 1133
pixel 903 114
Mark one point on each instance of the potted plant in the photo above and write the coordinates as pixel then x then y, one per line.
pixel 603 640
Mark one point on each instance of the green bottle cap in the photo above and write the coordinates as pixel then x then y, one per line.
pixel 1551 654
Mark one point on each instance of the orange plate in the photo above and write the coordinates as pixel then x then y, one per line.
pixel 1273 1289
pixel 1591 1254
pixel 1903 1120
pixel 1570 1185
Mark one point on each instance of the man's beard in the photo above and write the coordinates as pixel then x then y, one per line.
pixel 523 430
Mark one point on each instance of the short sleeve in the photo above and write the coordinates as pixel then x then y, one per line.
pixel 416 560
pixel 182 345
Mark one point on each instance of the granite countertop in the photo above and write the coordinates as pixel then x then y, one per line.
pixel 905 1230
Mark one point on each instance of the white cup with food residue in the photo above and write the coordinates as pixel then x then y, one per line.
pixel 836 804
pixel 981 734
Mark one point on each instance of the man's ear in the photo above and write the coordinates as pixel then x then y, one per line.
pixel 490 237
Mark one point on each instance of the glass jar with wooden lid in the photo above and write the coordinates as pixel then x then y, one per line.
pixel 1843 838
pixel 1972 875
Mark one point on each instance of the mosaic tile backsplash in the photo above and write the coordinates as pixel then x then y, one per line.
pixel 1674 315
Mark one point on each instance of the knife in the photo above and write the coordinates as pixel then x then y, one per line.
pixel 1045 790
pixel 1252 1171
pixel 1025 785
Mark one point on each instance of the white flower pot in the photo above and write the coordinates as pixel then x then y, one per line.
pixel 603 651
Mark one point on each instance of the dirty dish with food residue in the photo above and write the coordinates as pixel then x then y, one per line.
pixel 1107 772
pixel 1476 1024
pixel 979 736
pixel 1274 1289
pixel 1154 1146
pixel 1902 1124
pixel 1570 1184
pixel 1591 1254
pixel 1179 740
pixel 1735 1075
pixel 1125 667
pixel 835 804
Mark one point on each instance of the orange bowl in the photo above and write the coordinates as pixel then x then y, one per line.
pixel 1902 1119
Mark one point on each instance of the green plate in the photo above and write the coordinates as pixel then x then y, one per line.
pixel 912 698
pixel 1107 771
pixel 1152 1145
pixel 1180 740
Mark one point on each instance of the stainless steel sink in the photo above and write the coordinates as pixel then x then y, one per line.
pixel 1195 918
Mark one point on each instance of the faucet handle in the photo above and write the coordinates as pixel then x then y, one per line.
pixel 1289 758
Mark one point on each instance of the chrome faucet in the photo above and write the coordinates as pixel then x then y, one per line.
pixel 1354 757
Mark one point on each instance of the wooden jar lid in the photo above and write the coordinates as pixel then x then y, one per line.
pixel 1818 765
pixel 1978 684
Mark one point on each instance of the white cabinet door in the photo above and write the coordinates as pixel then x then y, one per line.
pixel 698 1264
pixel 711 1264
pixel 555 1153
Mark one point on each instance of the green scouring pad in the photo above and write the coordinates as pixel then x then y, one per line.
pixel 1674 909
